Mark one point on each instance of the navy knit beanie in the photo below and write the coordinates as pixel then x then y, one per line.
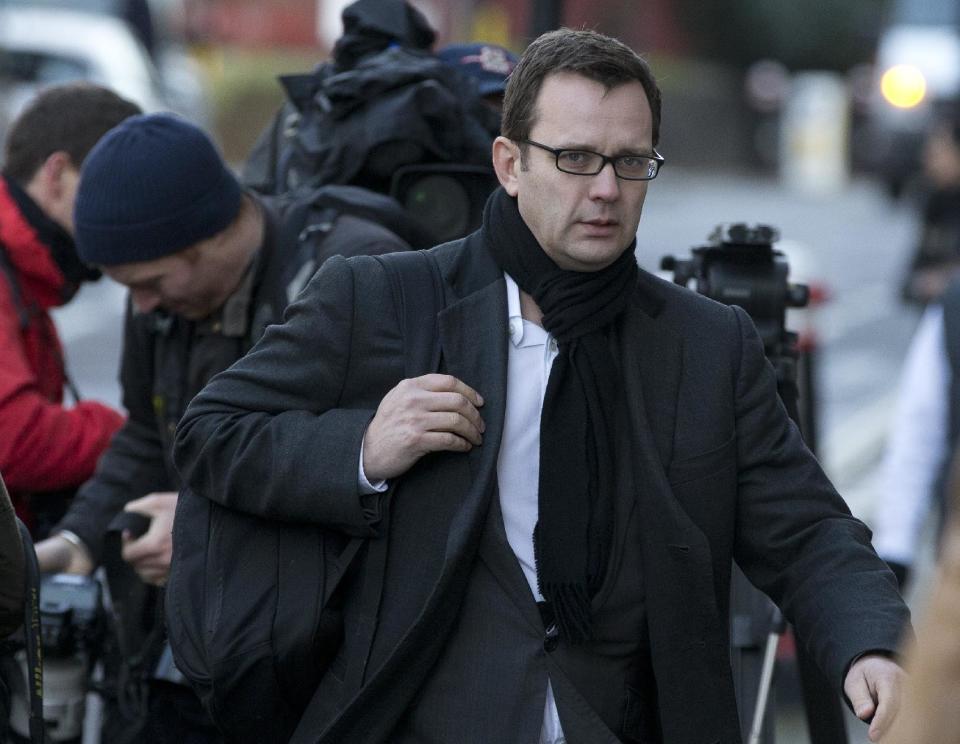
pixel 153 185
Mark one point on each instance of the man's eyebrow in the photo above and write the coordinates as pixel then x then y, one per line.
pixel 646 152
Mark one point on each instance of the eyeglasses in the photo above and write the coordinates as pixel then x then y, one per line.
pixel 588 163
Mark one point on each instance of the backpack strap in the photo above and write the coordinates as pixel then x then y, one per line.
pixel 418 298
pixel 417 291
pixel 418 295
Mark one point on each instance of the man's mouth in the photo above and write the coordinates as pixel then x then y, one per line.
pixel 599 228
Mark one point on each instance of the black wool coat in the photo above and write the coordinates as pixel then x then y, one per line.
pixel 721 474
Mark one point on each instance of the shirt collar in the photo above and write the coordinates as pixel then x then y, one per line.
pixel 514 316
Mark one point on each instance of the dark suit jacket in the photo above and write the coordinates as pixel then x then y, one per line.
pixel 723 474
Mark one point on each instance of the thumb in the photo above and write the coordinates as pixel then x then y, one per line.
pixel 860 698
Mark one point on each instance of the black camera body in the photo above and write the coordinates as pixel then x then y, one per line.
pixel 739 266
pixel 71 614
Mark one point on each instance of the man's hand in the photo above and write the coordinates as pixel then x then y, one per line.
pixel 424 414
pixel 57 554
pixel 150 554
pixel 874 685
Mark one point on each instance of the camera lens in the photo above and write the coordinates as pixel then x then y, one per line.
pixel 441 203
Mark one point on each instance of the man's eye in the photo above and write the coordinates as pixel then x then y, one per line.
pixel 576 159
pixel 633 161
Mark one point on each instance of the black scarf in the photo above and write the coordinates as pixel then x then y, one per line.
pixel 574 530
pixel 60 243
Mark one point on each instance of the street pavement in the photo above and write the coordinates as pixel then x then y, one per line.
pixel 854 242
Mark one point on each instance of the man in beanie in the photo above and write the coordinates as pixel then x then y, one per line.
pixel 47 448
pixel 208 267
pixel 562 500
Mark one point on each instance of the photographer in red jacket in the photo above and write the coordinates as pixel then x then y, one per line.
pixel 47 448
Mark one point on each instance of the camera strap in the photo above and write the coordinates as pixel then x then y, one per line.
pixel 32 638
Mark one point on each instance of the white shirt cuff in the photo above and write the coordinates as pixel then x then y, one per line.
pixel 365 486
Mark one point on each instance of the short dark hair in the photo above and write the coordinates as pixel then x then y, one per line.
pixel 71 117
pixel 597 57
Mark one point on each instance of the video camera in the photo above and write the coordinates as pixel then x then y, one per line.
pixel 447 199
pixel 740 266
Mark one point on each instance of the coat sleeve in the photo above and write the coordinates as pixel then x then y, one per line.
pixel 796 539
pixel 278 434
pixel 11 568
pixel 134 464
pixel 45 445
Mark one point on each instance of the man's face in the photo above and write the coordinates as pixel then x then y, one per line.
pixel 583 223
pixel 183 283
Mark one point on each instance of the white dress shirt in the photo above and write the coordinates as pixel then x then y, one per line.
pixel 917 442
pixel 530 357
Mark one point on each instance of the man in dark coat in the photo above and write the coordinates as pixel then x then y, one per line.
pixel 561 503
pixel 209 266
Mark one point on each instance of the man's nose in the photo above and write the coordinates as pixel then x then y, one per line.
pixel 145 300
pixel 605 185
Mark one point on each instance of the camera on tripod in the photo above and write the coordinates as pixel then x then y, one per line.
pixel 71 630
pixel 739 266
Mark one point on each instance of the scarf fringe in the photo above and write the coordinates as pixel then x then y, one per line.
pixel 571 607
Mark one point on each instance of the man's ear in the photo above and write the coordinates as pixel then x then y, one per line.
pixel 53 187
pixel 506 162
pixel 53 172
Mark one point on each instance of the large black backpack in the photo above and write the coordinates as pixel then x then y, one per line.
pixel 252 613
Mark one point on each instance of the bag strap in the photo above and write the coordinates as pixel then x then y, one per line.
pixel 33 641
pixel 417 290
pixel 417 295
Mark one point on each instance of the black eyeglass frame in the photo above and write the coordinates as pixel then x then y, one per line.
pixel 604 159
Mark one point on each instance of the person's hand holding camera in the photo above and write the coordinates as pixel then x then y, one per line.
pixel 63 553
pixel 150 553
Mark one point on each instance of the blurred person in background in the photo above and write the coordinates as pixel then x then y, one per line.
pixel 924 430
pixel 936 260
pixel 488 65
pixel 11 569
pixel 47 448
pixel 931 706
pixel 209 266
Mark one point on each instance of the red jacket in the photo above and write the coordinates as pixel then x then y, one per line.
pixel 44 445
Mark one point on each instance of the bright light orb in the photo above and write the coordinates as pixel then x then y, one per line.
pixel 903 86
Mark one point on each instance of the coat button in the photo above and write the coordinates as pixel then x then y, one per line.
pixel 551 638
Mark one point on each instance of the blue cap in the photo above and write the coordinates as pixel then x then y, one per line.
pixel 151 186
pixel 488 64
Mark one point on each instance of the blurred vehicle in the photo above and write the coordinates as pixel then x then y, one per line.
pixel 917 73
pixel 43 42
